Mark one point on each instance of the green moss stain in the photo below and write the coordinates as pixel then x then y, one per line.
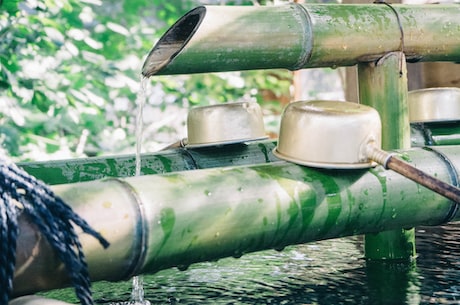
pixel 380 175
pixel 278 213
pixel 307 207
pixel 332 197
pixel 167 221
pixel 264 150
pixel 405 157
pixel 167 163
pixel 349 226
pixel 293 212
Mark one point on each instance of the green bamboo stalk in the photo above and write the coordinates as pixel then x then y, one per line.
pixel 161 221
pixel 435 133
pixel 179 159
pixel 88 169
pixel 223 38
pixel 383 86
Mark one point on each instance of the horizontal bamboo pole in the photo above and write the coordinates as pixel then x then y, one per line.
pixel 161 221
pixel 435 133
pixel 179 159
pixel 294 36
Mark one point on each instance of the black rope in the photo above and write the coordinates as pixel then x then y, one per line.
pixel 21 192
pixel 8 237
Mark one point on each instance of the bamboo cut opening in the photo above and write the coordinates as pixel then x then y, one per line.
pixel 173 41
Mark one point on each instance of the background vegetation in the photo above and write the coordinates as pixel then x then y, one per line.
pixel 70 73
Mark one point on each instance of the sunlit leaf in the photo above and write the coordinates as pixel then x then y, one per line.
pixel 117 28
pixel 40 100
pixel 10 6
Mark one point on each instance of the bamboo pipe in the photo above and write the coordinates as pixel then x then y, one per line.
pixel 178 159
pixel 383 86
pixel 161 221
pixel 294 36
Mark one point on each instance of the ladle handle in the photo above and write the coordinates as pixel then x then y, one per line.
pixel 390 162
pixel 447 190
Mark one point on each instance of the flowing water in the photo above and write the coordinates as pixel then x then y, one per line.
pixel 140 102
pixel 328 272
pixel 137 292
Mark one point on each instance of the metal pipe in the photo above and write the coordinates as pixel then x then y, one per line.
pixel 294 36
pixel 176 219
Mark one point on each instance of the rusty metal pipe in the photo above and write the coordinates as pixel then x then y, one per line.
pixel 389 161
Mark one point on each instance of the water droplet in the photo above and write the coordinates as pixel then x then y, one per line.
pixel 183 267
pixel 217 234
pixel 207 192
pixel 240 189
pixel 237 254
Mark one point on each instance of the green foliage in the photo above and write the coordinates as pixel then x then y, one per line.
pixel 70 74
pixel 10 6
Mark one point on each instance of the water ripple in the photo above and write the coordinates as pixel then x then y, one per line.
pixel 327 272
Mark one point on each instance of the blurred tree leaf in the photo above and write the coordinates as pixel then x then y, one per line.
pixel 10 6
pixel 39 99
pixel 72 68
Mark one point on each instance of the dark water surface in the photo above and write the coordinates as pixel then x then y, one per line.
pixel 327 272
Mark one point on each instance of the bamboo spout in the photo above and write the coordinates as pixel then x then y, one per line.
pixel 294 36
pixel 239 38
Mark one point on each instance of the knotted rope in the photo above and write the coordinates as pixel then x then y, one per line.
pixel 21 192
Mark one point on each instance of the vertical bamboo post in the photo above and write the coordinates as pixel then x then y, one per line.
pixel 383 85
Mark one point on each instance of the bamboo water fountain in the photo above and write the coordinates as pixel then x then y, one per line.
pixel 175 219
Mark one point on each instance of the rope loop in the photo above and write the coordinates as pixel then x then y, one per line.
pixel 23 193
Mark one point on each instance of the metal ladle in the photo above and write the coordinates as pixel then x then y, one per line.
pixel 309 128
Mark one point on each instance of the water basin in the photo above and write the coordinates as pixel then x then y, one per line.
pixel 327 272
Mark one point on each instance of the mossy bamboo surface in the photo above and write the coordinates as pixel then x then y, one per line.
pixel 435 133
pixel 160 221
pixel 172 160
pixel 225 38
pixel 179 159
pixel 383 86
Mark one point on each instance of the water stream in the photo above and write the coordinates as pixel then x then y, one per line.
pixel 140 102
pixel 137 292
